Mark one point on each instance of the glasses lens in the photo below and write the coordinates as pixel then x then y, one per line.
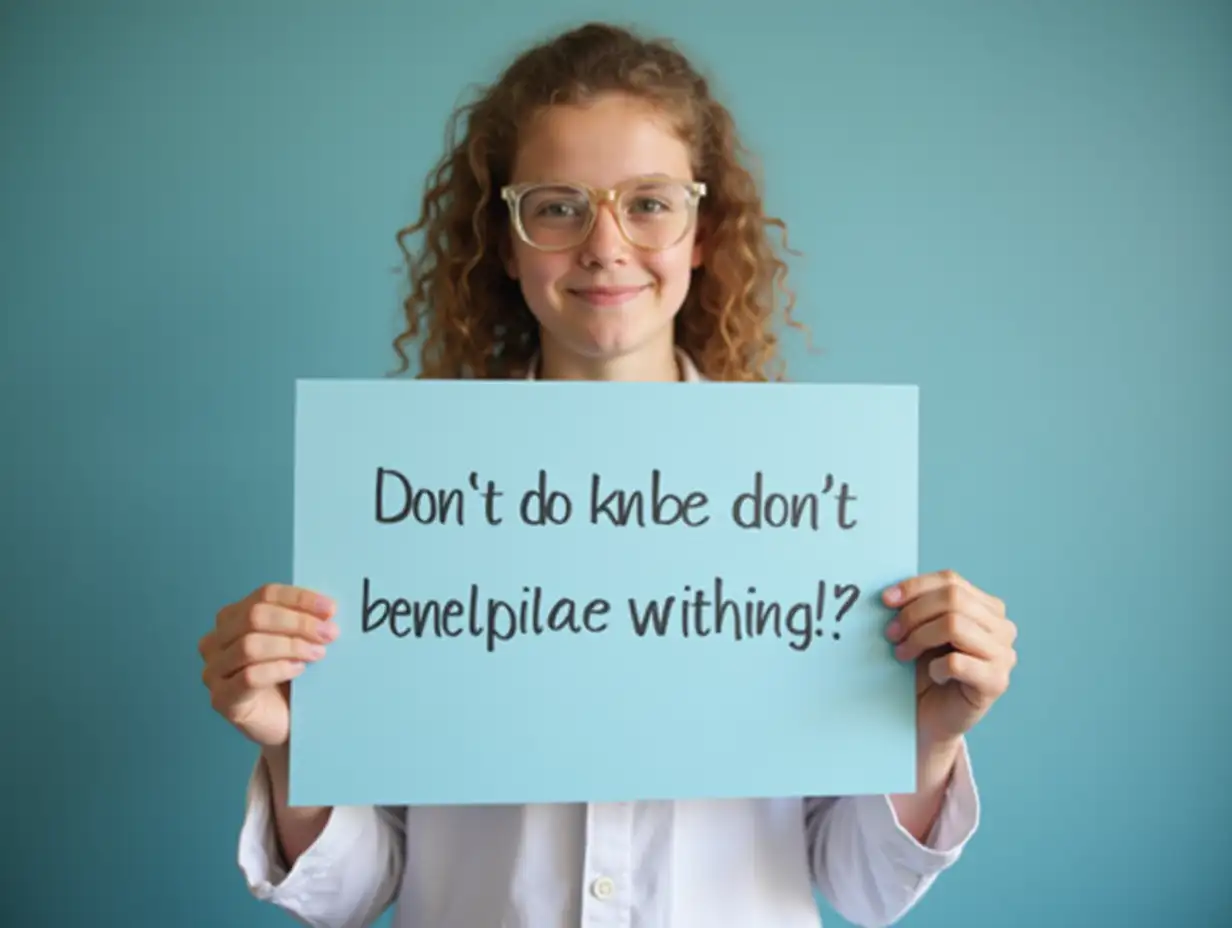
pixel 555 216
pixel 654 214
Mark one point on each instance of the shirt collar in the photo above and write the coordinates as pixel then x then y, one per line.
pixel 688 370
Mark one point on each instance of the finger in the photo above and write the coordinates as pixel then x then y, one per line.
pixel 988 680
pixel 256 648
pixel 228 695
pixel 208 644
pixel 275 620
pixel 904 592
pixel 294 598
pixel 935 603
pixel 948 630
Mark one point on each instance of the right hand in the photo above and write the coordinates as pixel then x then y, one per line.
pixel 257 645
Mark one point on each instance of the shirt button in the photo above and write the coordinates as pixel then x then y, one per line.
pixel 603 888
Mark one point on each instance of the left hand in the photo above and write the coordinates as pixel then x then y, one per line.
pixel 963 644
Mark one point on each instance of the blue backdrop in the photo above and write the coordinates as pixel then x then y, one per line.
pixel 1026 208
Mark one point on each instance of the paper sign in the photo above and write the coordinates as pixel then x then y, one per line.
pixel 555 592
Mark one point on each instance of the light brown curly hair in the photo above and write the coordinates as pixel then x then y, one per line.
pixel 472 315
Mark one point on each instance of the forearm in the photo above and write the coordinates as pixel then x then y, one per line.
pixel 297 827
pixel 873 856
pixel 918 811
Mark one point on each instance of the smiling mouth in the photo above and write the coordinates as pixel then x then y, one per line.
pixel 606 296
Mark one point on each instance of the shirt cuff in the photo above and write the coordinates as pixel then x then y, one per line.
pixel 262 862
pixel 957 821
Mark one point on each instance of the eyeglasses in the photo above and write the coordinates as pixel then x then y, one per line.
pixel 653 213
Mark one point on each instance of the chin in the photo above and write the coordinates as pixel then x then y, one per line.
pixel 612 338
pixel 603 349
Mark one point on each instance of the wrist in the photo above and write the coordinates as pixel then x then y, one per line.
pixel 936 759
pixel 277 769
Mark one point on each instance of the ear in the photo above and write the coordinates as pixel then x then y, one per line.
pixel 699 247
pixel 701 238
pixel 505 250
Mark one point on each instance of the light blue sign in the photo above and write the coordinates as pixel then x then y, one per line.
pixel 603 591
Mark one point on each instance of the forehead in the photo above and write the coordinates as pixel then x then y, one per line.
pixel 600 143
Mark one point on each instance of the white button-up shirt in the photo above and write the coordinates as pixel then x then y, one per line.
pixel 736 863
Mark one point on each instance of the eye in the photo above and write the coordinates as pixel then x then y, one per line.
pixel 557 209
pixel 555 204
pixel 648 205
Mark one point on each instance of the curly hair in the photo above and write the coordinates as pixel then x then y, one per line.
pixel 472 315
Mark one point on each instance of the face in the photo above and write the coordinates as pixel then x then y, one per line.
pixel 605 304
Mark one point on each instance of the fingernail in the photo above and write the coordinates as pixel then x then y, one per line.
pixel 329 630
pixel 893 630
pixel 315 652
pixel 893 594
pixel 325 605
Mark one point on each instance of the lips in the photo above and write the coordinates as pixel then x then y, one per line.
pixel 606 296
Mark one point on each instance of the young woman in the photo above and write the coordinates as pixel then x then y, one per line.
pixel 594 222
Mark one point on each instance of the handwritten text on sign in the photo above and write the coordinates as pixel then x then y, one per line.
pixel 700 611
pixel 590 592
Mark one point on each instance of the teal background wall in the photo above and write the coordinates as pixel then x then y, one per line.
pixel 1026 208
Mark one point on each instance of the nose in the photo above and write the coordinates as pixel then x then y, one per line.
pixel 605 244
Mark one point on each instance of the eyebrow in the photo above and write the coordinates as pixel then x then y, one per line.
pixel 643 179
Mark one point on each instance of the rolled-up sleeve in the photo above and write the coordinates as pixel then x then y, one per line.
pixel 346 879
pixel 868 866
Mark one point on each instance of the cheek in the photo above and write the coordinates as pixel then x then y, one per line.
pixel 673 269
pixel 539 270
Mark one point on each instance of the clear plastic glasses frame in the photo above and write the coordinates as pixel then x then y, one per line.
pixel 565 237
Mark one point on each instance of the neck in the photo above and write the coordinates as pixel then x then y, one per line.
pixel 657 362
